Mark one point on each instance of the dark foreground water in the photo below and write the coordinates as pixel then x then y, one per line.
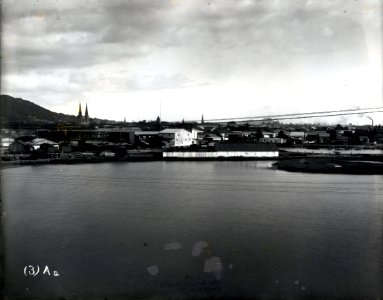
pixel 190 230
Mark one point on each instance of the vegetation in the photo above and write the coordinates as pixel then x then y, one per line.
pixel 19 110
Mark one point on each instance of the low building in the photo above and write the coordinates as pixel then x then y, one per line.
pixel 38 142
pixel 20 146
pixel 228 150
pixel 28 145
pixel 300 135
pixel 147 139
pixel 177 137
pixel 318 137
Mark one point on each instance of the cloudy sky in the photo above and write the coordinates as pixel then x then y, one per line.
pixel 220 58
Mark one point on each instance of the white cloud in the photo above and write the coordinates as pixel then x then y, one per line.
pixel 221 58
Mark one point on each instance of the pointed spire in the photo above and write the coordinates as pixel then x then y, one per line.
pixel 158 121
pixel 202 121
pixel 86 111
pixel 79 110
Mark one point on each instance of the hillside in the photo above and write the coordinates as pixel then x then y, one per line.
pixel 20 110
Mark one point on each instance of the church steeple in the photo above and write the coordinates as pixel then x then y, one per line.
pixel 86 111
pixel 83 119
pixel 86 116
pixel 79 110
pixel 158 121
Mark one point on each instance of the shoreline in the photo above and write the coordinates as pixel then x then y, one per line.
pixel 293 162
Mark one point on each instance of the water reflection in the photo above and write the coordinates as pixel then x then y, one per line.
pixel 192 229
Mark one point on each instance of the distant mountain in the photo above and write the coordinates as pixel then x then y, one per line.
pixel 24 111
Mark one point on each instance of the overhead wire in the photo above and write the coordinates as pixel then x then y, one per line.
pixel 330 113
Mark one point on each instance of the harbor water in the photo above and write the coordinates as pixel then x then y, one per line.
pixel 190 230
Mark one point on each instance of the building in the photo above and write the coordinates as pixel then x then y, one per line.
pixel 300 135
pixel 318 137
pixel 37 143
pixel 147 139
pixel 196 133
pixel 29 144
pixel 20 146
pixel 229 151
pixel 177 137
pixel 83 120
pixel 211 137
pixel 296 137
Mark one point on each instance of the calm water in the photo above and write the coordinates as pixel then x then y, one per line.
pixel 191 229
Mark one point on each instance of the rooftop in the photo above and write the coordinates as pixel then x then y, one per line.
pixel 171 130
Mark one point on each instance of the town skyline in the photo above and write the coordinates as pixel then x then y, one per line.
pixel 322 118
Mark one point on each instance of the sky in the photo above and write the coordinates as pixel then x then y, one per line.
pixel 137 59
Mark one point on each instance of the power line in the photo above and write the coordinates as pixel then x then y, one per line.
pixel 313 116
pixel 301 115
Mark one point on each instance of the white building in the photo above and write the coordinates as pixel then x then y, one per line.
pixel 37 142
pixel 223 150
pixel 195 133
pixel 177 137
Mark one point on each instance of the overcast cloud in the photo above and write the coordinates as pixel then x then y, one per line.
pixel 227 58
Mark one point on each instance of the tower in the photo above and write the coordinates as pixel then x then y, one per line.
pixel 158 123
pixel 202 121
pixel 79 111
pixel 83 120
pixel 79 115
pixel 86 117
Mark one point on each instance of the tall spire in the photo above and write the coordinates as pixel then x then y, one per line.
pixel 79 110
pixel 202 121
pixel 158 121
pixel 85 121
